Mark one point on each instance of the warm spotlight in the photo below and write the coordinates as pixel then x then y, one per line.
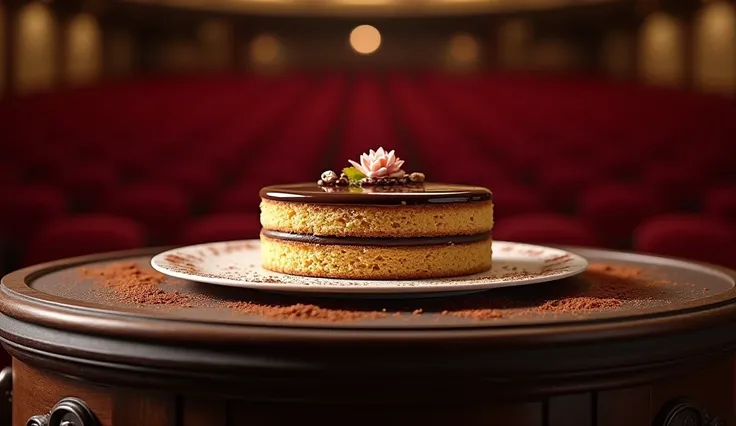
pixel 265 49
pixel 464 48
pixel 365 39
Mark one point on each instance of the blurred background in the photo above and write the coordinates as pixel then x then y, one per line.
pixel 148 122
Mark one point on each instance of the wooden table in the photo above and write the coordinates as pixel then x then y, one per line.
pixel 122 362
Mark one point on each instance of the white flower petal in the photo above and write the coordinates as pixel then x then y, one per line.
pixel 357 166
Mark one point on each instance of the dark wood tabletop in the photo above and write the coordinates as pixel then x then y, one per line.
pixel 632 330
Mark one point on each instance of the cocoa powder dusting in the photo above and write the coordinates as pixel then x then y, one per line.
pixel 602 287
pixel 136 285
pixel 302 311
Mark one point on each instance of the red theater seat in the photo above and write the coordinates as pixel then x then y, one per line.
pixel 615 211
pixel 8 175
pixel 545 228
pixel 721 203
pixel 87 184
pixel 221 227
pixel 688 236
pixel 534 141
pixel 161 209
pixel 677 182
pixel 512 200
pixel 81 235
pixel 239 199
pixel 25 208
pixel 563 183
pixel 197 179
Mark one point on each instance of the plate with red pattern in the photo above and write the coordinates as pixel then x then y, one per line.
pixel 238 264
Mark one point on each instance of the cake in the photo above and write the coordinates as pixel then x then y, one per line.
pixel 376 222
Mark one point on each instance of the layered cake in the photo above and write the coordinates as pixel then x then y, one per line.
pixel 374 221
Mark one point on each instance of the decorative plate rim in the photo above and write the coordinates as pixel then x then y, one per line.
pixel 573 264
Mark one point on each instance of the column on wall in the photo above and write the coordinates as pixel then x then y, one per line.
pixel 661 50
pixel 515 37
pixel 33 49
pixel 215 37
pixel 82 52
pixel 714 45
pixel 463 52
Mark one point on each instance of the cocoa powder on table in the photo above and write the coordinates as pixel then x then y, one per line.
pixel 136 285
pixel 602 287
pixel 300 311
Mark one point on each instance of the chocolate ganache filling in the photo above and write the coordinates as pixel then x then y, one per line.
pixel 385 242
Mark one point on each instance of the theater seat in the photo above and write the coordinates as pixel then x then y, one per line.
pixel 23 209
pixel 721 203
pixel 81 235
pixel 242 198
pixel 678 183
pixel 562 183
pixel 221 227
pixel 198 180
pixel 695 237
pixel 545 228
pixel 511 200
pixel 615 211
pixel 160 209
pixel 87 184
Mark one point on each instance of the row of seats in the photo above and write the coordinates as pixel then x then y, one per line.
pixel 613 210
pixel 168 154
pixel 679 235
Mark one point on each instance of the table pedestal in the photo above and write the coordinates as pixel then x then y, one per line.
pixel 704 395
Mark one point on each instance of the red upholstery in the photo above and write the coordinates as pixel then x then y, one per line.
pixel 543 145
pixel 544 228
pixel 513 200
pixel 563 182
pixel 368 122
pixel 87 184
pixel 198 180
pixel 677 182
pixel 25 208
pixel 688 236
pixel 221 227
pixel 616 210
pixel 240 199
pixel 8 175
pixel 160 209
pixel 80 235
pixel 721 203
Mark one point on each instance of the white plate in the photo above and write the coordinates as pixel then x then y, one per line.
pixel 238 264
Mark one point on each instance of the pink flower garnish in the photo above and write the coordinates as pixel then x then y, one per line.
pixel 377 164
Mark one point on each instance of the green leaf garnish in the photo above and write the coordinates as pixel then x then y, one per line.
pixel 353 174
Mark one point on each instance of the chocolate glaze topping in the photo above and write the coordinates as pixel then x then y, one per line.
pixel 427 193
pixel 386 242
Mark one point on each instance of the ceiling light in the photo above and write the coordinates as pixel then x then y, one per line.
pixel 365 39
